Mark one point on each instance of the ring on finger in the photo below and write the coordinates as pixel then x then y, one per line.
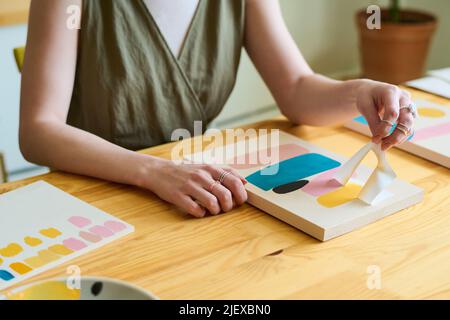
pixel 223 175
pixel 404 126
pixel 403 130
pixel 411 109
pixel 388 122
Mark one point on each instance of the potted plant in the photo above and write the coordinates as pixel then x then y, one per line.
pixel 397 51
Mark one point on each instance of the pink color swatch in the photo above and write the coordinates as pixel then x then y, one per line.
pixel 115 226
pixel 322 184
pixel 90 236
pixel 80 222
pixel 252 160
pixel 101 231
pixel 74 244
pixel 432 132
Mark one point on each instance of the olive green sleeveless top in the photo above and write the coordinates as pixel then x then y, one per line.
pixel 129 87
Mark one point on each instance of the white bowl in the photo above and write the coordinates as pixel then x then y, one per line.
pixel 91 288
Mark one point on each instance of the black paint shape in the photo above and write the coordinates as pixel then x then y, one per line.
pixel 290 187
pixel 96 288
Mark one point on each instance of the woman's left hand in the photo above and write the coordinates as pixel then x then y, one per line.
pixel 385 106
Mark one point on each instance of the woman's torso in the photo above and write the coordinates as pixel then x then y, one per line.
pixel 135 83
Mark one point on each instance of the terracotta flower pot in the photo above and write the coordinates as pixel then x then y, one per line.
pixel 397 52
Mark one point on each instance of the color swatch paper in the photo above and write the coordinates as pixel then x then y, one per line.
pixel 42 227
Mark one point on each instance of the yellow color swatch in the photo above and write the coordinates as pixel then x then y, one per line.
pixel 340 196
pixel 60 249
pixel 44 257
pixel 32 242
pixel 20 268
pixel 431 113
pixel 50 233
pixel 51 290
pixel 11 250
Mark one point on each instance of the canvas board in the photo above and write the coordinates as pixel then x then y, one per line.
pixel 42 227
pixel 303 192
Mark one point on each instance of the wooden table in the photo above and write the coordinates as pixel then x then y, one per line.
pixel 249 254
pixel 13 12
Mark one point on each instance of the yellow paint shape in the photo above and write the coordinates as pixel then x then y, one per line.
pixel 50 233
pixel 340 196
pixel 20 268
pixel 431 113
pixel 32 242
pixel 60 249
pixel 44 257
pixel 51 290
pixel 11 250
pixel 1 261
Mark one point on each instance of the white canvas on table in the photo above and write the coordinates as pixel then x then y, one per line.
pixel 432 132
pixel 314 204
pixel 42 227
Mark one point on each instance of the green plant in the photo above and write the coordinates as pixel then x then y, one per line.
pixel 394 11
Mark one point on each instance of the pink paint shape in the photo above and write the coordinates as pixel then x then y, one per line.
pixel 322 184
pixel 115 226
pixel 79 222
pixel 432 132
pixel 253 160
pixel 74 244
pixel 101 231
pixel 90 237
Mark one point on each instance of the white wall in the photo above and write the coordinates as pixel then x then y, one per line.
pixel 440 50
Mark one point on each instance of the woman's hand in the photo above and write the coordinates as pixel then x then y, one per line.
pixel 384 105
pixel 195 188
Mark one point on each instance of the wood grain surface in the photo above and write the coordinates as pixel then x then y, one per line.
pixel 249 254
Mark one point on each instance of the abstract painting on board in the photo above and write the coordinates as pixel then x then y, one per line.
pixel 432 132
pixel 299 188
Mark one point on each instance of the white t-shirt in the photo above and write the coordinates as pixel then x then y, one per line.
pixel 174 19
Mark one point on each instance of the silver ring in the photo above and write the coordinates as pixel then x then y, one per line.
pixel 412 109
pixel 223 175
pixel 388 122
pixel 402 130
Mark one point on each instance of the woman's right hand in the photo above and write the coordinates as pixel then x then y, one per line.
pixel 195 189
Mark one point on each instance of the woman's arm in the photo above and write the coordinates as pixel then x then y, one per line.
pixel 307 98
pixel 47 83
pixel 46 139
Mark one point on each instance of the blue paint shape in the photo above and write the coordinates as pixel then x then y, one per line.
pixel 5 275
pixel 362 120
pixel 291 170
